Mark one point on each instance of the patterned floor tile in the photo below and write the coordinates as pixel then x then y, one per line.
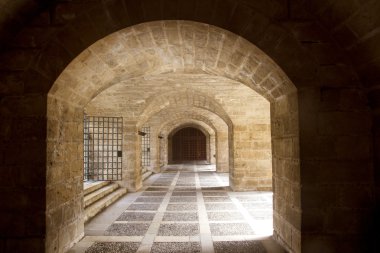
pixel 135 229
pixel 152 207
pixel 182 207
pixel 136 216
pixel 220 206
pixel 184 229
pixel 183 193
pixel 183 199
pixel 113 247
pixel 217 199
pixel 149 199
pixel 193 216
pixel 239 247
pixel 224 216
pixel 176 247
pixel 230 229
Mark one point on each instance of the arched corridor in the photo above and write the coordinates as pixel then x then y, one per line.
pixel 178 117
pixel 285 91
pixel 226 120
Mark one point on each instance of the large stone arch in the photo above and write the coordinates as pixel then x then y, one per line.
pixel 98 68
pixel 219 127
pixel 171 46
pixel 189 98
pixel 281 40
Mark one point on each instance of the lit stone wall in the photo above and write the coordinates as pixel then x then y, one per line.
pixel 328 90
pixel 64 189
pixel 286 172
pixel 329 49
pixel 141 71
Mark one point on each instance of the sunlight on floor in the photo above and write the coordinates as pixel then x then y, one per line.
pixel 187 208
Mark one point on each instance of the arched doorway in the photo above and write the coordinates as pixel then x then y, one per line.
pixel 188 144
pixel 282 98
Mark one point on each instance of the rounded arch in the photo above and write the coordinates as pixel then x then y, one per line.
pixel 261 22
pixel 209 131
pixel 187 143
pixel 188 98
pixel 235 58
pixel 224 159
pixel 215 51
pixel 188 121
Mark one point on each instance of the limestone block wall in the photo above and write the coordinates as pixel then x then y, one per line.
pixel 286 172
pixel 64 189
pixel 252 158
pixel 336 170
pixel 307 47
pixel 222 152
pixel 252 151
pixel 131 157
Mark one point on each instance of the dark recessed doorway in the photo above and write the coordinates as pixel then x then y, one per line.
pixel 189 144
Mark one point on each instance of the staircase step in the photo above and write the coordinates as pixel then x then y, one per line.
pixel 99 193
pixel 89 187
pixel 146 175
pixel 102 203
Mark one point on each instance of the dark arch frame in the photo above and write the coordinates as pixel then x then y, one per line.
pixel 39 72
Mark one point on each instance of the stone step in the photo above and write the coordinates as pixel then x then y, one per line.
pixel 89 187
pixel 102 203
pixel 99 193
pixel 146 175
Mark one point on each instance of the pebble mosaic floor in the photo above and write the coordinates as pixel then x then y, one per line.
pixel 185 209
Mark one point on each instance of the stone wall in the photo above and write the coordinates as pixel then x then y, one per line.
pixel 318 52
pixel 64 188
pixel 286 172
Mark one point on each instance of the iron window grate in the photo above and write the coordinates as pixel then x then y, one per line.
pixel 102 148
pixel 145 147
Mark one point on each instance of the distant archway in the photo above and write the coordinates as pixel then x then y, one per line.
pixel 188 144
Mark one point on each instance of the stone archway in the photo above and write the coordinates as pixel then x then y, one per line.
pixel 121 56
pixel 188 143
pixel 217 146
pixel 223 130
pixel 168 106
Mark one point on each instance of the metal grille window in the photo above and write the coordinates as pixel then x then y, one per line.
pixel 145 147
pixel 102 148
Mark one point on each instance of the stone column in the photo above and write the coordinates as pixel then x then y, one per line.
pixel 252 157
pixel 212 149
pixel 154 151
pixel 131 157
pixel 222 153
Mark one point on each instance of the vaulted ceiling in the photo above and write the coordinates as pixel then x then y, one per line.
pixel 353 24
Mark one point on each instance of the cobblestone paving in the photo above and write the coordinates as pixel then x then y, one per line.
pixel 188 210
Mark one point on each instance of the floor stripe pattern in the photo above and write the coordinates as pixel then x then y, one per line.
pixel 189 209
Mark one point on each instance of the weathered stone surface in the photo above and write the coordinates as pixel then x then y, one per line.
pixel 353 24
